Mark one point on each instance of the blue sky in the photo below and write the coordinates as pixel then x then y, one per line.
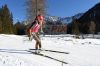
pixel 62 8
pixel 69 7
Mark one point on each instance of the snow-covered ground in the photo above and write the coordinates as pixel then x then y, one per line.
pixel 82 52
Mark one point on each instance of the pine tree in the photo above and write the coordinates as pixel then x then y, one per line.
pixel 0 25
pixel 92 28
pixel 7 22
pixel 11 27
pixel 75 28
pixel 20 28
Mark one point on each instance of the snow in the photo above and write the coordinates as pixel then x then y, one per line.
pixel 82 52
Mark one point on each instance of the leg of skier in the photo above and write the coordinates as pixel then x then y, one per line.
pixel 30 35
pixel 38 42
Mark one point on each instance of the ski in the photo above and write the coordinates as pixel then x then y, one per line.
pixel 40 54
pixel 51 51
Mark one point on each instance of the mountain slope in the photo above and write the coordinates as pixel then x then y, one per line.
pixel 93 14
